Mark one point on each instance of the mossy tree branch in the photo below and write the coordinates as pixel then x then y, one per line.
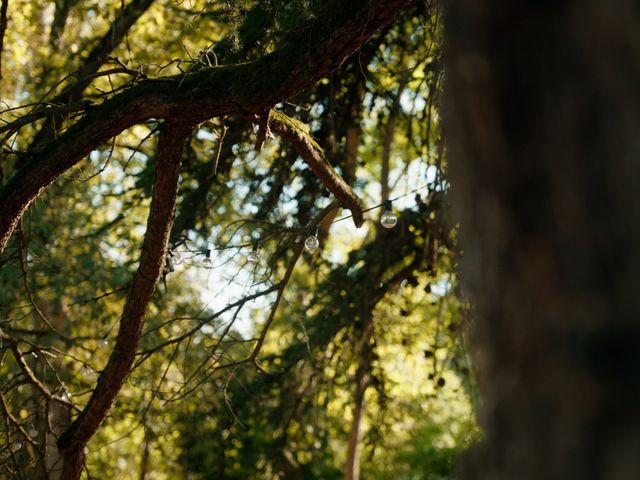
pixel 297 134
pixel 247 88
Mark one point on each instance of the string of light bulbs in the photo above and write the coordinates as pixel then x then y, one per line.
pixel 388 220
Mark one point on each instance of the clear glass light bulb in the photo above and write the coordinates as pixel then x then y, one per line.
pixel 388 219
pixel 253 256
pixel 311 243
pixel 207 262
pixel 66 395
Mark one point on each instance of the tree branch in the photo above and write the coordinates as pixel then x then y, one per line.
pixel 87 72
pixel 297 134
pixel 71 443
pixel 307 56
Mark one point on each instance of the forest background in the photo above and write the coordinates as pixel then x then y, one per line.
pixel 347 362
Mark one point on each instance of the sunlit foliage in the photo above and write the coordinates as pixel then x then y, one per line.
pixel 373 321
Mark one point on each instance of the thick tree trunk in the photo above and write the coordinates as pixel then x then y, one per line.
pixel 59 21
pixel 59 419
pixel 146 453
pixel 543 112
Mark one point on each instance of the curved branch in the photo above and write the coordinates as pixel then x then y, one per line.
pixel 193 97
pixel 297 134
pixel 72 442
pixel 274 308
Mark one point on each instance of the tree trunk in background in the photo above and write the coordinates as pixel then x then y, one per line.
pixel 387 143
pixel 543 112
pixel 352 465
pixel 146 451
pixel 364 354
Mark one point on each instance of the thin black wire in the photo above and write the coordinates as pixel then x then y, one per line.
pixel 426 185
pixel 227 247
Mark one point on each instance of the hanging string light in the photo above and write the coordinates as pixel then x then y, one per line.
pixel 206 261
pixel 312 243
pixel 66 394
pixel 374 207
pixel 175 256
pixel 168 264
pixel 253 256
pixel 388 219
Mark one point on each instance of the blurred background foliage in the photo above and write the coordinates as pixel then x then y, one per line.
pixel 370 336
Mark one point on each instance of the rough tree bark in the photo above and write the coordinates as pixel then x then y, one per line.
pixel 543 112
pixel 161 214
